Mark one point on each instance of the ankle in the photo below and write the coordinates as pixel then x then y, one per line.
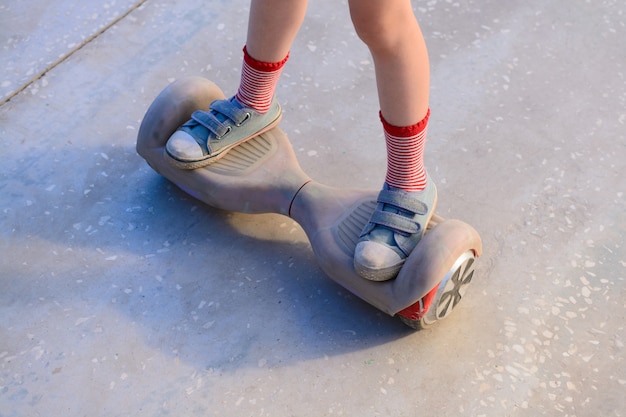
pixel 405 155
pixel 258 82
pixel 263 65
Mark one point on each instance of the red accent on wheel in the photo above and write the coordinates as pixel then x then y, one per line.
pixel 419 309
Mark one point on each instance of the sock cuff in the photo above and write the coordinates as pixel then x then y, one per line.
pixel 405 131
pixel 263 66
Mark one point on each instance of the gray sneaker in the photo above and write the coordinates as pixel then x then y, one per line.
pixel 209 134
pixel 395 228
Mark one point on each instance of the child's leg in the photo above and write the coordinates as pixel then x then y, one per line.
pixel 272 27
pixel 390 30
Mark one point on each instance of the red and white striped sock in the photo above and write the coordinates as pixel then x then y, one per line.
pixel 405 154
pixel 258 82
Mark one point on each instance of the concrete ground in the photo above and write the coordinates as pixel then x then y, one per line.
pixel 122 296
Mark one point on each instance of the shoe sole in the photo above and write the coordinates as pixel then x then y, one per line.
pixel 378 275
pixel 390 272
pixel 189 165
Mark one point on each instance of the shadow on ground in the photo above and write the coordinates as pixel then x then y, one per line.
pixel 220 290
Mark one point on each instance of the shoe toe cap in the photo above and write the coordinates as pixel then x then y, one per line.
pixel 184 147
pixel 376 262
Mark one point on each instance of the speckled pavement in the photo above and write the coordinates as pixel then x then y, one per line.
pixel 122 296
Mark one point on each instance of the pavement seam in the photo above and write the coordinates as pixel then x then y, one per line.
pixel 64 57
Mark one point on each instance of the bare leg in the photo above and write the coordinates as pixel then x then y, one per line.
pixel 390 30
pixel 272 27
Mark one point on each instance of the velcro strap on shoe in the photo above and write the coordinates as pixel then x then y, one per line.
pixel 228 109
pixel 211 122
pixel 402 201
pixel 395 222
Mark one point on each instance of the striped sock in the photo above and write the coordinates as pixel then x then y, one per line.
pixel 405 155
pixel 258 82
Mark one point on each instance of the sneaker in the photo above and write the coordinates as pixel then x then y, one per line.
pixel 395 228
pixel 209 134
